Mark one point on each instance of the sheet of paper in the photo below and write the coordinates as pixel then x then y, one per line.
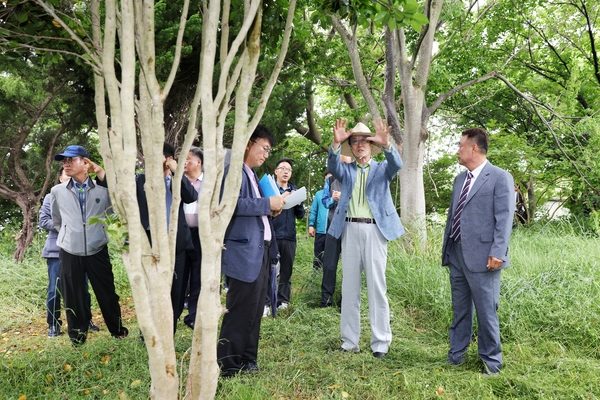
pixel 295 198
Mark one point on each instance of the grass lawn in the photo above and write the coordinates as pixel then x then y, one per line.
pixel 549 316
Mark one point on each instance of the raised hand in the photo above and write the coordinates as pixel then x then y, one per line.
pixel 339 132
pixel 382 133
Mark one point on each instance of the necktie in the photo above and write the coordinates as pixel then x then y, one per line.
pixel 81 192
pixel 455 232
pixel 168 198
pixel 363 182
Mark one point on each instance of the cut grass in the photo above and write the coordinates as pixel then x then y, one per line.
pixel 549 316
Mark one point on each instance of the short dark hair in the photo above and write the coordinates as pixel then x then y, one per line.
pixel 262 132
pixel 480 137
pixel 168 150
pixel 198 153
pixel 60 172
pixel 287 160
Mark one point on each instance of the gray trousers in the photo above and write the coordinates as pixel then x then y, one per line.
pixel 482 290
pixel 365 249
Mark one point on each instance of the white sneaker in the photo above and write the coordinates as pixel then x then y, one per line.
pixel 282 306
pixel 267 311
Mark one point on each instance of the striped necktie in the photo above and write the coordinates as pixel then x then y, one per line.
pixel 455 232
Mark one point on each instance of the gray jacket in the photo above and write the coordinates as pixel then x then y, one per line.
pixel 45 222
pixel 75 234
pixel 486 221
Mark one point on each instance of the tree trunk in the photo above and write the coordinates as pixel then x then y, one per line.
pixel 413 81
pixel 25 236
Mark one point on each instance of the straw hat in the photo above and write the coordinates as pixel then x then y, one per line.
pixel 359 130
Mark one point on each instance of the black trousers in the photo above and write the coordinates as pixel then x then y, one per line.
pixel 319 250
pixel 240 329
pixel 333 248
pixel 193 262
pixel 73 270
pixel 287 251
pixel 179 288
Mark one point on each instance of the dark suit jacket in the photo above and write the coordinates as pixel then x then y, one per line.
pixel 244 238
pixel 486 221
pixel 188 195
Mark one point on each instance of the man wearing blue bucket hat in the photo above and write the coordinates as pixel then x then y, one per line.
pixel 83 246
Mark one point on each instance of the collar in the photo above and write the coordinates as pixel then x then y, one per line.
pixel 478 170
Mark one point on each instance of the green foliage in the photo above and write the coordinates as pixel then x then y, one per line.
pixel 438 178
pixel 393 14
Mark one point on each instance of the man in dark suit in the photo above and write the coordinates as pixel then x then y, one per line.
pixel 475 249
pixel 249 249
pixel 183 242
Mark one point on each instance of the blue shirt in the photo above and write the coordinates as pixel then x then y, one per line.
pixel 318 213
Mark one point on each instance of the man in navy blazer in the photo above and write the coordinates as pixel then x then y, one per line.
pixel 475 249
pixel 249 249
pixel 366 219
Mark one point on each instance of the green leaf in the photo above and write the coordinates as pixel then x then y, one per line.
pixel 392 24
pixel 411 7
pixel 23 17
pixel 420 19
pixel 416 26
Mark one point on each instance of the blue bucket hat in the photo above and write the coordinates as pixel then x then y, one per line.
pixel 72 151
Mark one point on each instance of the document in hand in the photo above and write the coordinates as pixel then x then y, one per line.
pixel 295 198
pixel 269 186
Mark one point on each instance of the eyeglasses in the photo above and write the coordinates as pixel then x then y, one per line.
pixel 69 160
pixel 355 141
pixel 267 150
pixel 284 169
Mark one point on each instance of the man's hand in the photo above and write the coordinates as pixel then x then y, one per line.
pixel 171 164
pixel 494 263
pixel 382 133
pixel 311 231
pixel 335 195
pixel 276 204
pixel 94 168
pixel 339 132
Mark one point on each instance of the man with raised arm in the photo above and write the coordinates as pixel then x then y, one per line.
pixel 366 219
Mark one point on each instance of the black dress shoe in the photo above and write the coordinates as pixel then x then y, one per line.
pixel 53 331
pixel 250 366
pixel 123 334
pixel 379 355
pixel 190 325
pixel 93 327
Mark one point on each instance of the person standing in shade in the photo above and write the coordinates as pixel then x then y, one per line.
pixel 83 246
pixel 285 233
pixel 50 253
pixel 366 219
pixel 183 240
pixel 248 252
pixel 333 246
pixel 475 249
pixel 193 171
pixel 317 226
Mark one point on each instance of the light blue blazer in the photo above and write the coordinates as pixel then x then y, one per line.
pixel 378 193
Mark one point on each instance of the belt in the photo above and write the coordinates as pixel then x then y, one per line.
pixel 267 244
pixel 363 220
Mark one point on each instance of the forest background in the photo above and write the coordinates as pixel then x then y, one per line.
pixel 528 73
